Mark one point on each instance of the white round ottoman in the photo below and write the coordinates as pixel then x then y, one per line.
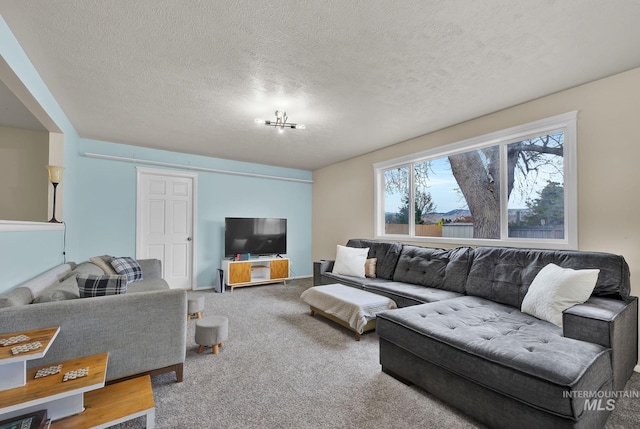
pixel 195 305
pixel 212 331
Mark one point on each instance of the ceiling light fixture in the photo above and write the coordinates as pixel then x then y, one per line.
pixel 281 122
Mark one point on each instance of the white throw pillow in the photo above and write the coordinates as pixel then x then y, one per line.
pixel 350 261
pixel 555 289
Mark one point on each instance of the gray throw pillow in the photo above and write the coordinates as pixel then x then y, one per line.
pixel 67 289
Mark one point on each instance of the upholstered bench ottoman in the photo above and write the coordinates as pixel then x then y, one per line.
pixel 195 305
pixel 212 331
pixel 352 308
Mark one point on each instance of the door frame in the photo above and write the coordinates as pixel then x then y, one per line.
pixel 141 171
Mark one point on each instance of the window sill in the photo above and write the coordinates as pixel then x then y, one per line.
pixel 16 225
pixel 475 242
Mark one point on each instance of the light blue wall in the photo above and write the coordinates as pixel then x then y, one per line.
pixel 100 198
pixel 23 255
pixel 105 204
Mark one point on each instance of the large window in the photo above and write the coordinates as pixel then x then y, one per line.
pixel 515 187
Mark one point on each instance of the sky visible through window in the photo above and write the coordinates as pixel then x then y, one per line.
pixel 519 185
pixel 446 194
pixel 442 186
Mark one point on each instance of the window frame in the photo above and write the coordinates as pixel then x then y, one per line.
pixel 566 123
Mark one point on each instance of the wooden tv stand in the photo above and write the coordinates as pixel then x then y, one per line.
pixel 257 271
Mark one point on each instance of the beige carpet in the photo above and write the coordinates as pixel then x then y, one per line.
pixel 281 368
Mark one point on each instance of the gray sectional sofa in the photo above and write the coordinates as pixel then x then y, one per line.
pixel 144 330
pixel 460 334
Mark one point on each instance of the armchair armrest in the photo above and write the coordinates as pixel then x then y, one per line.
pixel 610 323
pixel 151 268
pixel 319 268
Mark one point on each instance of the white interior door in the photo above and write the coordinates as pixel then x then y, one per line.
pixel 166 223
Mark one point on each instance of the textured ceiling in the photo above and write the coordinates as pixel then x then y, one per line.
pixel 191 76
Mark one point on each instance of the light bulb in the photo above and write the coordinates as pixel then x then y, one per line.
pixel 281 130
pixel 259 121
pixel 301 127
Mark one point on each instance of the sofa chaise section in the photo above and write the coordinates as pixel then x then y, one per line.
pixel 610 316
pixel 502 349
pixel 481 354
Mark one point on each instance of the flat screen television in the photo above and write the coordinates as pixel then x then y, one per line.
pixel 258 236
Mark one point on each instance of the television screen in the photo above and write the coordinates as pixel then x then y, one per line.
pixel 258 236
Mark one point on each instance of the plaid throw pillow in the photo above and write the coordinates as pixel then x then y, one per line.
pixel 129 267
pixel 91 285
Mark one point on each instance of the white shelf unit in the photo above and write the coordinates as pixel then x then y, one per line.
pixel 13 368
pixel 23 393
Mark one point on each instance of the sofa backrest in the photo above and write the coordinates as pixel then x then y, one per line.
pixel 110 323
pixel 504 274
pixel 386 253
pixel 438 268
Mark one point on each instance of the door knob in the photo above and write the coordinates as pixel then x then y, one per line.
pixel 188 238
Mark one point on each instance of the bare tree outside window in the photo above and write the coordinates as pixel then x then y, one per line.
pixel 396 185
pixel 460 195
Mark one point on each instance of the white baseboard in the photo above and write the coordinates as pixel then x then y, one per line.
pixel 289 278
pixel 636 368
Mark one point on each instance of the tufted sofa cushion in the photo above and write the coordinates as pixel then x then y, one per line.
pixel 503 349
pixel 438 268
pixel 386 253
pixel 504 274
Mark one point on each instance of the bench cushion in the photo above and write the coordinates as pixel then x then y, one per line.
pixel 503 349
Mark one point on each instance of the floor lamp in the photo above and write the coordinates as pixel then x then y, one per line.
pixel 55 177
